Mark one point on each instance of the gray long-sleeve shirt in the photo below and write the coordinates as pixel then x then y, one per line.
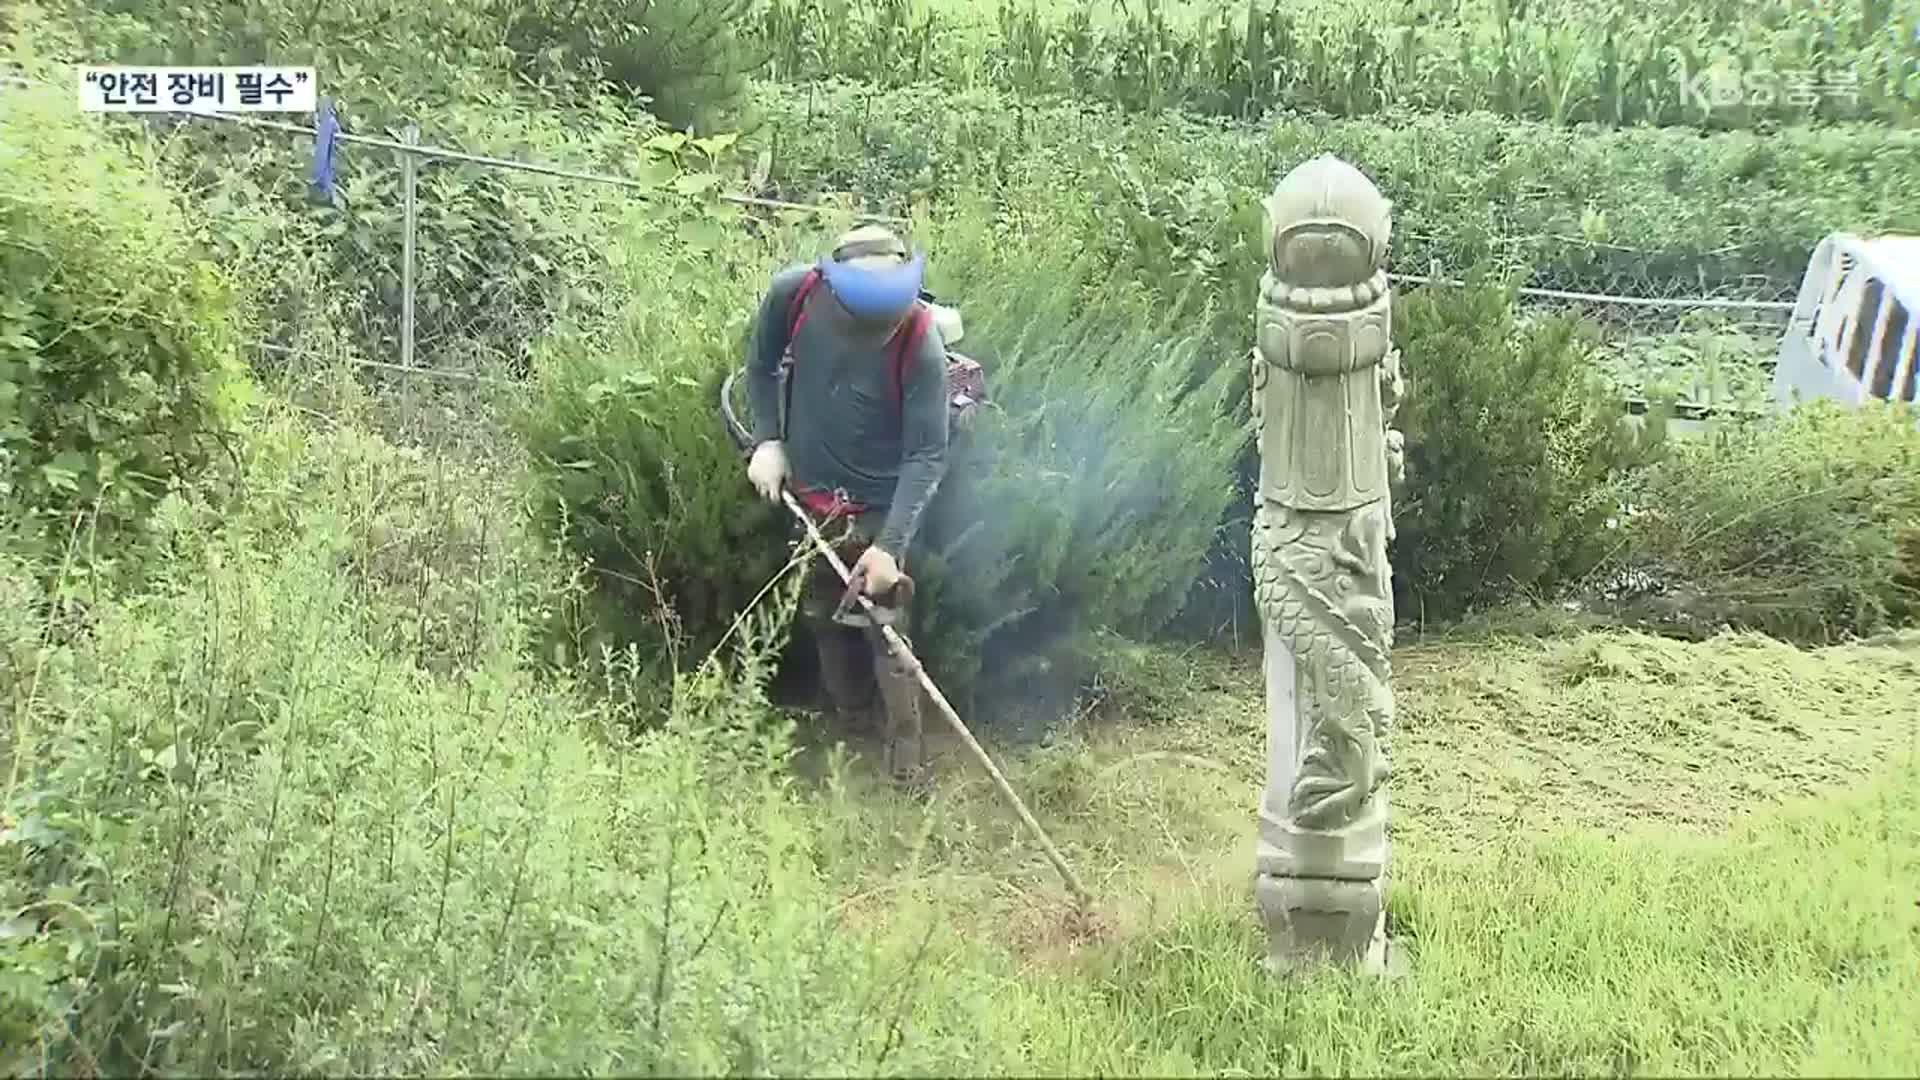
pixel 845 431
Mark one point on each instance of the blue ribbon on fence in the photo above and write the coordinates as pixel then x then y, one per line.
pixel 325 127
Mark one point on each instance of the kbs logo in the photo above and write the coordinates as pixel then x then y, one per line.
pixel 1721 87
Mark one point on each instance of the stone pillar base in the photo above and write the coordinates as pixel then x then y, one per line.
pixel 1324 922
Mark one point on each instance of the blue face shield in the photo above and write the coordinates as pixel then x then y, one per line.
pixel 875 295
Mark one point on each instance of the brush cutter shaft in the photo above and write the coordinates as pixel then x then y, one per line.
pixel 898 646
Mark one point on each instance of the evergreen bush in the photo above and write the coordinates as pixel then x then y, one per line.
pixel 1088 498
pixel 685 59
pixel 1515 450
pixel 119 365
pixel 631 460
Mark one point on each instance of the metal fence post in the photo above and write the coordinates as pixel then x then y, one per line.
pixel 409 167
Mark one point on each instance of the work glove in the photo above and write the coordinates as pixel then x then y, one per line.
pixel 768 469
pixel 882 571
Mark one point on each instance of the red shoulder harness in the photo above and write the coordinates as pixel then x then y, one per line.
pixel 908 335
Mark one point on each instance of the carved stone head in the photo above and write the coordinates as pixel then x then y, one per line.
pixel 1323 331
pixel 1330 228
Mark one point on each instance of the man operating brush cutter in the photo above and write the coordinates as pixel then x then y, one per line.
pixel 854 395
pixel 847 379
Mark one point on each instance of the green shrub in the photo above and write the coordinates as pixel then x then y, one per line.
pixel 1792 526
pixel 631 460
pixel 119 372
pixel 1515 448
pixel 384 57
pixel 1089 497
pixel 684 58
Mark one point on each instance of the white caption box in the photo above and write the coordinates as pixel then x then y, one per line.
pixel 131 88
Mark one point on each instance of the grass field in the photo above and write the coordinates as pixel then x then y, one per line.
pixel 1612 853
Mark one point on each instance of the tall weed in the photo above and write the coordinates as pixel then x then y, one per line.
pixel 251 830
pixel 1801 527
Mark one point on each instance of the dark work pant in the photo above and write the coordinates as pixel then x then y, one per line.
pixel 865 683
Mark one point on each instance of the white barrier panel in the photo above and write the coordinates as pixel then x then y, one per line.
pixel 1853 331
pixel 261 88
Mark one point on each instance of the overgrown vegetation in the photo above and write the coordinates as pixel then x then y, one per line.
pixel 433 733
pixel 500 256
pixel 633 465
pixel 254 831
pixel 264 797
pixel 1799 526
pixel 119 369
pixel 1639 211
pixel 683 61
pixel 1705 63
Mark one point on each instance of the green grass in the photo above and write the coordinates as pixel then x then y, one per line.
pixel 1613 854
pixel 313 804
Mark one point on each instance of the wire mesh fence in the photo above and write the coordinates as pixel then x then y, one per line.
pixel 1705 356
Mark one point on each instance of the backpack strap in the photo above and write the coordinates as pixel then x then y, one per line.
pixel 910 335
pixel 797 307
pixel 796 318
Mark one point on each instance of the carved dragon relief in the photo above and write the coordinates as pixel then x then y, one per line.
pixel 1319 582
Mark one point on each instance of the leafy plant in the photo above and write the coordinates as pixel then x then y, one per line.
pixel 1563 62
pixel 1639 211
pixel 1514 452
pixel 119 371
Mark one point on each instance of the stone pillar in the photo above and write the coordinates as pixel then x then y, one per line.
pixel 1326 382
